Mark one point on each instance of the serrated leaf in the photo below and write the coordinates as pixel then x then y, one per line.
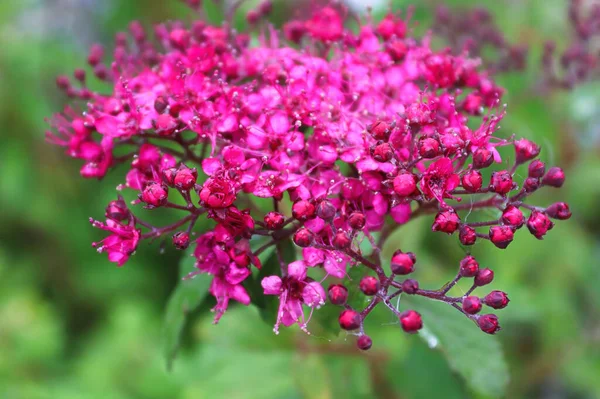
pixel 476 356
pixel 187 296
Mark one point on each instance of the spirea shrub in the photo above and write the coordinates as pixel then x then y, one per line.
pixel 315 135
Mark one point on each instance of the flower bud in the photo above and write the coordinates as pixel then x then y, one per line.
pixel 117 210
pixel 467 235
pixel 539 224
pixel 357 220
pixel 382 152
pixel 303 237
pixel 341 240
pixel 501 236
pixel 501 182
pixel 364 342
pixel 181 240
pixel 536 169
pixel 349 319
pixel 513 217
pixel 326 210
pixel 554 178
pixel 410 286
pixel 303 210
pixel 165 124
pixel 482 158
pixel 379 130
pixel 160 104
pixel 496 300
pixel 168 175
pixel 446 221
pixel 405 184
pixel 429 148
pixel 185 178
pixel 471 304
pixel 469 266
pixel 472 181
pixel 403 263
pixel 274 220
pixel 526 150
pixel 411 321
pixel 473 104
pixel 488 323
pixel 369 285
pixel 483 277
pixel 154 195
pixel 559 210
pixel 338 294
pixel 531 184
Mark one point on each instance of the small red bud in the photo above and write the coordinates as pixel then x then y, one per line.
pixel 446 221
pixel 303 210
pixel 379 130
pixel 338 294
pixel 364 342
pixel 369 285
pixel 467 235
pixel 501 182
pixel 185 178
pixel 382 152
pixel 165 125
pixel 501 236
pixel 554 178
pixel 154 195
pixel 405 184
pixel 473 104
pixel 160 104
pixel 513 217
pixel 482 158
pixel 496 300
pixel 181 240
pixel 341 240
pixel 536 168
pixel 526 150
pixel 531 184
pixel 349 319
pixel 559 210
pixel 117 210
pixel 403 263
pixel 410 286
pixel 274 220
pixel 357 220
pixel 539 224
pixel 469 266
pixel 429 148
pixel 326 210
pixel 411 321
pixel 303 238
pixel 483 277
pixel 471 304
pixel 472 181
pixel 488 323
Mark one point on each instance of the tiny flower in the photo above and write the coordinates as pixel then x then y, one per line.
pixel 410 286
pixel 303 237
pixel 369 285
pixel 526 150
pixel 154 195
pixel 303 210
pixel 364 343
pixel 488 323
pixel 403 263
pixel 539 224
pixel 559 210
pixel 326 210
pixel 439 179
pixel 274 220
pixel 513 217
pixel 165 125
pixel 446 222
pixel 411 321
pixel 501 236
pixel 357 220
pixel 405 184
pixel 496 300
pixel 338 294
pixel 349 320
pixel 469 266
pixel 472 181
pixel 467 235
pixel 471 304
pixel 554 178
pixel 429 148
pixel 217 193
pixel 501 182
pixel 536 169
pixel 483 277
pixel 121 243
pixel 181 240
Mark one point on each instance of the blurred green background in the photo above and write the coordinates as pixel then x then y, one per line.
pixel 74 326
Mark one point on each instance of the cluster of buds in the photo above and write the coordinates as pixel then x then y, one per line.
pixel 346 134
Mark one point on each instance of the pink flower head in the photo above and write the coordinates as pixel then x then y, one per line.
pixel 121 243
pixel 439 180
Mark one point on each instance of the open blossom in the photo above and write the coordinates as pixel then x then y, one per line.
pixel 322 136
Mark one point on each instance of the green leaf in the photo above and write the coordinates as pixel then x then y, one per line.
pixel 187 296
pixel 476 356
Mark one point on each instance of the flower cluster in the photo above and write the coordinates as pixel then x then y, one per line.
pixel 346 134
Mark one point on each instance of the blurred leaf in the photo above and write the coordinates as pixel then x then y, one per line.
pixel 186 297
pixel 476 356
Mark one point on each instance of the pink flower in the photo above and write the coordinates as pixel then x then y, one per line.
pixel 439 180
pixel 121 243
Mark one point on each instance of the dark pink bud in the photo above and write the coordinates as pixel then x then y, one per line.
pixel 471 304
pixel 303 237
pixel 181 240
pixel 536 168
pixel 496 300
pixel 467 235
pixel 252 17
pixel 501 236
pixel 185 178
pixel 364 342
pixel 357 220
pixel 559 210
pixel 165 124
pixel 217 193
pixel 446 221
pixel 274 220
pixel 531 184
pixel 429 148
pixel 338 294
pixel 539 224
pixel 501 182
pixel 326 210
pixel 554 178
pixel 473 104
pixel 369 285
pixel 382 152
pixel 154 195
pixel 513 217
pixel 405 184
pixel 472 181
pixel 411 321
pixel 349 319
pixel 294 31
pixel 482 158
pixel 303 210
pixel 63 82
pixel 265 7
pixel 379 130
pixel 79 75
pixel 483 277
pixel 179 38
pixel 410 286
pixel 526 150
pixel 160 104
pixel 95 54
pixel 403 263
pixel 488 323
pixel 341 240
pixel 469 267
pixel 117 210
